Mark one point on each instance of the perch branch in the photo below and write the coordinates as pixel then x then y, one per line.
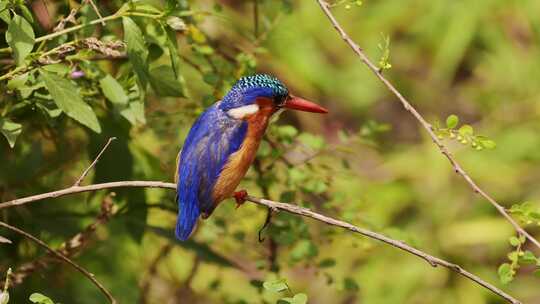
pixel 407 105
pixel 433 261
pixel 85 272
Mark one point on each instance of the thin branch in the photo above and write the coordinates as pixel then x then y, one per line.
pixel 93 164
pixel 94 6
pixel 256 19
pixel 433 261
pixel 407 105
pixel 79 189
pixel 87 274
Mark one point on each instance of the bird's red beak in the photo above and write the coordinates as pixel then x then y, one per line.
pixel 297 103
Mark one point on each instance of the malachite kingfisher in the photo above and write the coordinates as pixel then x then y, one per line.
pixel 222 144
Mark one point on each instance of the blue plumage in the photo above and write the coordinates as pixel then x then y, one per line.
pixel 211 140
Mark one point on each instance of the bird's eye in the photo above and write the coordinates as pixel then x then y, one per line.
pixel 242 112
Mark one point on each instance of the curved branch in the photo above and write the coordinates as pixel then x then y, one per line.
pixel 85 272
pixel 407 105
pixel 432 260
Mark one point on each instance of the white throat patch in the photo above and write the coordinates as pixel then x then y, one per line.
pixel 244 111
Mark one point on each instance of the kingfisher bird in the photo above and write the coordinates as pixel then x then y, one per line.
pixel 222 144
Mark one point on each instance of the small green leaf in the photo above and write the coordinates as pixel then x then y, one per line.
pixel 488 143
pixel 506 273
pixel 134 113
pixel 452 121
pixel 136 49
pixel 113 90
pixel 514 241
pixel 4 12
pixel 466 130
pixel 10 130
pixel 300 298
pixel 276 285
pixel 327 263
pixel 40 299
pixel 17 82
pixel 20 37
pixel 528 258
pixel 67 98
pixel 350 284
pixel 172 45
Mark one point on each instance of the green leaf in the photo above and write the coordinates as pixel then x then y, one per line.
pixel 327 263
pixel 20 37
pixel 164 82
pixel 134 113
pixel 67 98
pixel 113 90
pixel 528 258
pixel 276 285
pixel 10 130
pixel 17 82
pixel 172 45
pixel 466 130
pixel 40 299
pixel 300 298
pixel 506 273
pixel 514 241
pixel 136 49
pixel 452 121
pixel 4 12
pixel 488 143
pixel 350 284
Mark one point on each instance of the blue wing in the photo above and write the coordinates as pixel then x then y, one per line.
pixel 210 142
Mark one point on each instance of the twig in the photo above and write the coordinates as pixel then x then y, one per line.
pixel 256 19
pixel 94 6
pixel 70 247
pixel 85 173
pixel 87 274
pixel 433 261
pixel 407 105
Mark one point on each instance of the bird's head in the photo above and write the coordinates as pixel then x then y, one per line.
pixel 263 93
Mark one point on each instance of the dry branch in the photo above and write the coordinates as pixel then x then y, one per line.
pixel 59 255
pixel 407 105
pixel 276 206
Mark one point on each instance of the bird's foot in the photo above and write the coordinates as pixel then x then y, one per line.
pixel 240 197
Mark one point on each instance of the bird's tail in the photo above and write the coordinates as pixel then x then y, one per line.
pixel 187 218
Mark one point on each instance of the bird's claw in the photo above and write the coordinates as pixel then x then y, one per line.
pixel 240 197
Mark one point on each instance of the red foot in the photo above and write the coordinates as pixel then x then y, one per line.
pixel 240 197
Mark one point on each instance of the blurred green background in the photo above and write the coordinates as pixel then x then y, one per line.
pixel 367 162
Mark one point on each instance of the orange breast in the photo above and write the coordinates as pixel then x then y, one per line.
pixel 238 164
